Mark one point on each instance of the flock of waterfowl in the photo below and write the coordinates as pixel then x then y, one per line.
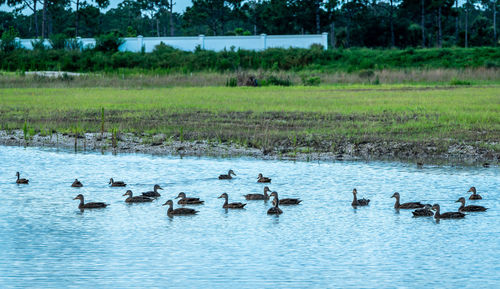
pixel 421 210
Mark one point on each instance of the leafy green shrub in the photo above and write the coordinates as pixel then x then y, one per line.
pixel 38 44
pixel 108 42
pixel 455 81
pixel 9 40
pixel 58 41
pixel 273 80
pixel 232 82
pixel 74 44
pixel 311 81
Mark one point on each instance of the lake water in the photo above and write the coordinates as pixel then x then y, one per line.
pixel 46 242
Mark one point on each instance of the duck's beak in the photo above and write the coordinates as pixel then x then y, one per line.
pixel 124 195
pixel 75 198
pixel 160 188
pixel 220 197
pixel 457 201
pixel 177 197
pixel 164 204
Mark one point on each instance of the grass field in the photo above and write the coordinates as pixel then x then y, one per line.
pixel 316 117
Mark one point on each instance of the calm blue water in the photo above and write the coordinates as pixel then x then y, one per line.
pixel 46 242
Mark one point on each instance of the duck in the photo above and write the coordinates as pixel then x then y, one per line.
pixel 178 211
pixel 188 201
pixel 154 193
pixel 474 195
pixel 448 215
pixel 93 205
pixel 77 184
pixel 275 210
pixel 470 208
pixel 231 205
pixel 424 212
pixel 360 202
pixel 21 181
pixel 262 179
pixel 136 199
pixel 116 184
pixel 264 196
pixel 410 205
pixel 288 201
pixel 228 176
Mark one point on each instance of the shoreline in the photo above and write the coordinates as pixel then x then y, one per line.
pixel 374 151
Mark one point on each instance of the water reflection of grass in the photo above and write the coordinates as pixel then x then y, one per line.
pixel 271 116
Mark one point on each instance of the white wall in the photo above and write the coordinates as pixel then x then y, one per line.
pixel 216 43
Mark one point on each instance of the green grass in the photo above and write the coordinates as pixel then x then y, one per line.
pixel 317 117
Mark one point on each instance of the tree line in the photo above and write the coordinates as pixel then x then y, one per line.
pixel 349 23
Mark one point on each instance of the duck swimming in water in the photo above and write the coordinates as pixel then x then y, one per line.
pixel 228 176
pixel 77 184
pixel 410 205
pixel 448 215
pixel 264 196
pixel 275 210
pixel 288 201
pixel 424 212
pixel 230 205
pixel 360 202
pixel 21 181
pixel 474 195
pixel 470 208
pixel 136 199
pixel 178 211
pixel 116 184
pixel 188 201
pixel 154 193
pixel 93 205
pixel 262 179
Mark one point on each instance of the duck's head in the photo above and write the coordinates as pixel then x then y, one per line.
pixel 460 200
pixel 168 203
pixel 224 195
pixel 128 193
pixel 157 187
pixel 435 207
pixel 260 176
pixel 274 194
pixel 354 191
pixel 181 195
pixel 17 174
pixel 79 197
pixel 111 181
pixel 266 189
pixel 231 173
pixel 472 189
pixel 395 195
pixel 76 180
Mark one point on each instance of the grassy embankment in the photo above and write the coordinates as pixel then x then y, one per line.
pixel 318 118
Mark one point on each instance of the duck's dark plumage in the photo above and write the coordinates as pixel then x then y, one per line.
pixel 154 193
pixel 188 201
pixel 262 179
pixel 424 212
pixel 228 176
pixel 77 184
pixel 410 205
pixel 21 181
pixel 179 211
pixel 275 210
pixel 358 202
pixel 136 199
pixel 470 208
pixel 287 201
pixel 92 205
pixel 228 205
pixel 448 215
pixel 474 195
pixel 116 184
pixel 264 196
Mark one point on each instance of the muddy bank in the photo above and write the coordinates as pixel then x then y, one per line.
pixel 429 153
